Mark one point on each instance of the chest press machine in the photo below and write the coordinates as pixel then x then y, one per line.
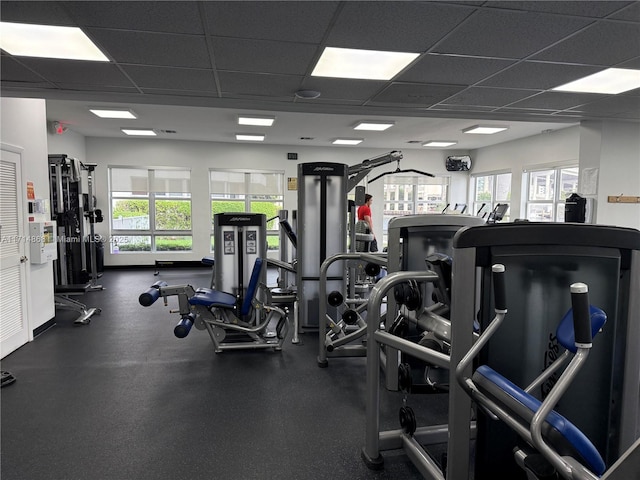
pixel 235 317
pixel 602 399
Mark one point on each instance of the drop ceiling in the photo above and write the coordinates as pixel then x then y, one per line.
pixel 191 67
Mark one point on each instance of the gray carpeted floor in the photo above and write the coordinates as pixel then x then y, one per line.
pixel 123 398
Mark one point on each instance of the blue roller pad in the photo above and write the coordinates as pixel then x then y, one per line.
pixel 566 334
pixel 213 298
pixel 570 432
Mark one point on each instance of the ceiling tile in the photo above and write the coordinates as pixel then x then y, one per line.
pixel 538 75
pixel 508 34
pixel 81 87
pixel 345 89
pixel 76 71
pixel 456 70
pixel 34 86
pixel 612 105
pixel 462 108
pixel 258 84
pixel 394 26
pixel 598 9
pixel 166 77
pixel 170 17
pixel 489 97
pixel 605 43
pixel 631 13
pixel 527 111
pixel 43 13
pixel 288 21
pixel 556 100
pixel 634 63
pixel 419 95
pixel 263 56
pixel 12 70
pixel 153 48
pixel 176 92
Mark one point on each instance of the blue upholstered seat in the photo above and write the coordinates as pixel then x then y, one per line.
pixel 507 393
pixel 213 298
pixel 561 434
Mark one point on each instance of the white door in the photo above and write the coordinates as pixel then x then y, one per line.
pixel 14 325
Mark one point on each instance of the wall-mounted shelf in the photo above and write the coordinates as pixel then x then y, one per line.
pixel 623 199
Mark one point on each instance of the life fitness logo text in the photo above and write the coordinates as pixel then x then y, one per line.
pixel 323 169
pixel 240 219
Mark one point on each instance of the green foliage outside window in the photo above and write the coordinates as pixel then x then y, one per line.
pixel 130 208
pixel 173 215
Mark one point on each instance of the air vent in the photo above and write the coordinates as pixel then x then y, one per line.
pixel 168 131
pixel 414 141
pixel 292 156
pixel 306 138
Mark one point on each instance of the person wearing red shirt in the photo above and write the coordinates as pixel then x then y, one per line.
pixel 364 215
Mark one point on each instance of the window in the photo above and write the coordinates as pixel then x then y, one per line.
pixel 547 191
pixel 253 192
pixel 489 190
pixel 150 209
pixel 413 195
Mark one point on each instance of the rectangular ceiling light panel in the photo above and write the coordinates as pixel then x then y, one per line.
pixel 373 126
pixel 347 141
pixel 363 64
pixel 113 113
pixel 48 41
pixel 610 81
pixel 484 129
pixel 439 143
pixel 249 137
pixel 144 132
pixel 256 121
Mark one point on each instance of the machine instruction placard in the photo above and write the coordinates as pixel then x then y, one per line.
pixel 229 243
pixel 252 244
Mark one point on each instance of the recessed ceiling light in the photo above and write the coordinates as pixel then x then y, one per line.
pixel 260 121
pixel 439 143
pixel 363 64
pixel 48 41
pixel 145 132
pixel 610 81
pixel 347 141
pixel 484 129
pixel 374 126
pixel 112 113
pixel 250 137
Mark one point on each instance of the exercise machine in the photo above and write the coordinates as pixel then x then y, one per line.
pixel 76 269
pixel 322 226
pixel 239 313
pixel 553 447
pixel 421 242
pixel 543 259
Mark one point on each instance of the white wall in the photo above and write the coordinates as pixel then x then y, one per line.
pixel 24 125
pixel 618 170
pixel 70 143
pixel 201 156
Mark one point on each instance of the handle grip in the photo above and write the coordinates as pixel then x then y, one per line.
pixel 581 314
pixel 152 294
pixel 499 289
